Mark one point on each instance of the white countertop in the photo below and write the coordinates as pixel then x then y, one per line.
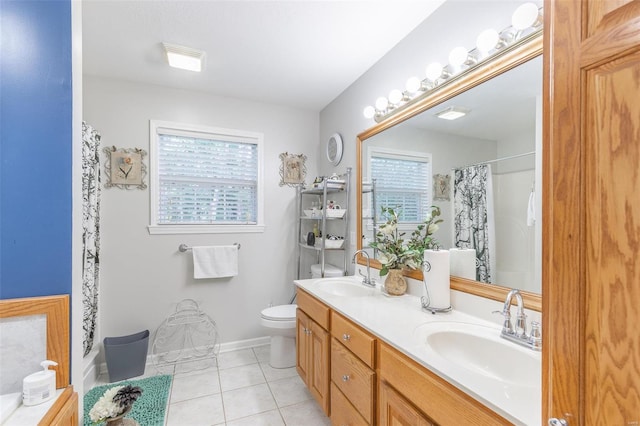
pixel 395 319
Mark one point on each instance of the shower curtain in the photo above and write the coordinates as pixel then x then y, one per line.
pixel 90 231
pixel 474 217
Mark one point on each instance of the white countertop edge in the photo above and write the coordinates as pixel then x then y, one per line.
pixel 32 414
pixel 393 319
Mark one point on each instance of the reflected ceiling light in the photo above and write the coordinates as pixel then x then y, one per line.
pixel 525 16
pixel 452 113
pixel 369 112
pixel 434 71
pixel 487 40
pixel 183 57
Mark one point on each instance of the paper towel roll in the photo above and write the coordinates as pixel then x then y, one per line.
pixel 463 263
pixel 436 278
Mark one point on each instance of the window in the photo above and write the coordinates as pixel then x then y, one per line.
pixel 205 179
pixel 403 178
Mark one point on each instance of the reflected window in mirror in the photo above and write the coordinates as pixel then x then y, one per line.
pixel 402 181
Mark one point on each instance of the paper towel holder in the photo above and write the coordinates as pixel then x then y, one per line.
pixel 425 300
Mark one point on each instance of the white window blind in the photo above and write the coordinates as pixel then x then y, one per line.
pixel 205 176
pixel 402 180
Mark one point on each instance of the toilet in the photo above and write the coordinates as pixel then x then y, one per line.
pixel 280 322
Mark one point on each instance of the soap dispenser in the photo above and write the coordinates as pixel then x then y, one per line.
pixel 41 386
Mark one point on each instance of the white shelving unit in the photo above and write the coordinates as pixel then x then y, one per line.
pixel 335 221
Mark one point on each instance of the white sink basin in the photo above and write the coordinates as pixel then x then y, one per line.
pixel 480 350
pixel 343 286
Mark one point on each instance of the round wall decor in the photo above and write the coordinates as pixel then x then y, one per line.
pixel 334 149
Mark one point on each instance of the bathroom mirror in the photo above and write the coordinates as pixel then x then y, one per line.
pixel 502 128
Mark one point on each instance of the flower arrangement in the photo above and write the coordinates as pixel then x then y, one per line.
pixel 397 253
pixel 114 402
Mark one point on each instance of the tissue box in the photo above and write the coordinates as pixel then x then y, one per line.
pixel 330 244
pixel 336 213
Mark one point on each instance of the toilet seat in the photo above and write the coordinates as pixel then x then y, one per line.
pixel 280 313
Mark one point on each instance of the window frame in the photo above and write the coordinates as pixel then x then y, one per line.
pixel 425 157
pixel 154 182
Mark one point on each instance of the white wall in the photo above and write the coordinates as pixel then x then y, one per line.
pixel 143 276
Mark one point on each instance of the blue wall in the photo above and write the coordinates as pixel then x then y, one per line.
pixel 35 148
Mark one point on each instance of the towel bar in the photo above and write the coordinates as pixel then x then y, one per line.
pixel 183 247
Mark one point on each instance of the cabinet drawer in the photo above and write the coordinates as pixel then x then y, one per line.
pixel 354 338
pixel 435 397
pixel 354 379
pixel 316 310
pixel 342 412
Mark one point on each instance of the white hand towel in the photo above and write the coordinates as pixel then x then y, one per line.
pixel 531 210
pixel 215 261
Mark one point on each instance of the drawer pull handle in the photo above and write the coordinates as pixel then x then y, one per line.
pixel 345 378
pixel 346 337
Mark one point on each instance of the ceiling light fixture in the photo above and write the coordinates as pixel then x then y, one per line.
pixel 185 58
pixel 526 23
pixel 452 113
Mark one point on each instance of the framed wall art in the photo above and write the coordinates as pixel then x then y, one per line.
pixel 293 169
pixel 125 168
pixel 441 187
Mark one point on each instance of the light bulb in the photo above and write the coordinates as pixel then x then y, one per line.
pixel 382 103
pixel 487 40
pixel 369 112
pixel 525 16
pixel 395 97
pixel 413 84
pixel 434 71
pixel 458 56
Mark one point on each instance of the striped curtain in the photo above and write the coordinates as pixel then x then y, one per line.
pixel 90 232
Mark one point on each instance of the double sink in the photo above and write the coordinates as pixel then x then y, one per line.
pixel 471 354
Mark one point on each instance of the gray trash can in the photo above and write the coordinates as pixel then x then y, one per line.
pixel 126 355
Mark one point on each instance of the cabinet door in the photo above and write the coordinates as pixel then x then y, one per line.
pixel 302 346
pixel 395 410
pixel 318 373
pixel 591 226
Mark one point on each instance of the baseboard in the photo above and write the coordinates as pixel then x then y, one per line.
pixel 224 347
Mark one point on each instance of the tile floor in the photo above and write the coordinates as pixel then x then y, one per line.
pixel 242 390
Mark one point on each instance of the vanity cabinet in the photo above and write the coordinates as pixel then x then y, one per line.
pixel 436 401
pixel 312 347
pixel 352 374
pixel 321 218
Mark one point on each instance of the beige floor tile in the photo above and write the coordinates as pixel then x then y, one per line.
pixel 194 385
pixel 289 391
pixel 204 411
pixel 306 413
pixel 270 418
pixel 196 366
pixel 247 401
pixel 241 377
pixel 236 358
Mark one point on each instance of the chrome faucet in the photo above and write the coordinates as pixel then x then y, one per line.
pixel 518 333
pixel 366 280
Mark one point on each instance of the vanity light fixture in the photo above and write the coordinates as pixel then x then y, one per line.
pixel 183 57
pixel 526 22
pixel 452 113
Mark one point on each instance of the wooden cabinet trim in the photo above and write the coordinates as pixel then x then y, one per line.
pixel 63 412
pixel 56 309
pixel 342 412
pixel 434 396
